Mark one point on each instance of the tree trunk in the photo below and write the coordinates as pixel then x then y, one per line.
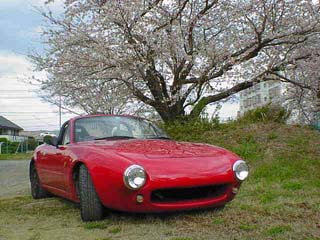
pixel 172 113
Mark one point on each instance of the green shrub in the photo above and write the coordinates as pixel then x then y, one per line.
pixel 47 139
pixel 3 140
pixel 267 113
pixel 11 147
pixel 32 143
pixel 191 129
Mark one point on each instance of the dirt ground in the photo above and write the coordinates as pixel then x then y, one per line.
pixel 14 178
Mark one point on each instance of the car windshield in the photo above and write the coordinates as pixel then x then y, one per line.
pixel 116 128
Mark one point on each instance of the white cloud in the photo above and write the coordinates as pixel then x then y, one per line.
pixel 20 101
pixel 11 64
pixel 30 4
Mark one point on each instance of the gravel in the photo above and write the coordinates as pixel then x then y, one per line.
pixel 14 178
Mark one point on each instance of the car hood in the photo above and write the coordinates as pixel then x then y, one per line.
pixel 166 158
pixel 153 148
pixel 190 163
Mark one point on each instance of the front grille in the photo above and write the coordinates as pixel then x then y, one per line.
pixel 187 194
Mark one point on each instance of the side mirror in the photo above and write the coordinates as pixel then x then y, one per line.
pixel 51 140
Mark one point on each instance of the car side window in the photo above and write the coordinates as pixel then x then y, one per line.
pixel 66 136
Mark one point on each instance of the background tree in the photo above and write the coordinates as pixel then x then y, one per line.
pixel 174 56
pixel 304 96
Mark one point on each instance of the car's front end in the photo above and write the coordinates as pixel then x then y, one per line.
pixel 160 183
pixel 182 192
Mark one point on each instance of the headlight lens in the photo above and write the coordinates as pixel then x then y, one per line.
pixel 134 177
pixel 241 170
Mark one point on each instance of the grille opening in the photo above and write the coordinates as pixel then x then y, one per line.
pixel 185 194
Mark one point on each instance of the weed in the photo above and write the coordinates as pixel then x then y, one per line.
pixel 292 186
pixel 274 231
pixel 115 230
pixel 182 238
pixel 247 227
pixel 218 221
pixel 96 225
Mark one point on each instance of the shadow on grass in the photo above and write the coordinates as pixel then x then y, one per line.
pixel 117 216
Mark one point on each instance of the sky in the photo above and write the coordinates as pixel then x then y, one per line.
pixel 20 102
pixel 20 35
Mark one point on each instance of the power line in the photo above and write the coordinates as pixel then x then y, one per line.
pixel 26 112
pixel 32 119
pixel 29 97
pixel 18 90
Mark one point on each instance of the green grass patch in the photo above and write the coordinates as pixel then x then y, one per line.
pixel 292 186
pixel 218 221
pixel 247 227
pixel 280 199
pixel 115 230
pixel 18 156
pixel 181 238
pixel 277 230
pixel 96 225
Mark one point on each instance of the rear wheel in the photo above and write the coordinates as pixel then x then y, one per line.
pixel 37 191
pixel 90 205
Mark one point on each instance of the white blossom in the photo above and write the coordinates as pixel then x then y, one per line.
pixel 170 55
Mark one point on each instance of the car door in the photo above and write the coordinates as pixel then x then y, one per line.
pixel 63 156
pixel 52 163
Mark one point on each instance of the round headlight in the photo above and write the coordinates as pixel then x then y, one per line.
pixel 241 170
pixel 134 177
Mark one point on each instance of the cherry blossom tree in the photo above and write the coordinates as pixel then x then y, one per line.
pixel 303 94
pixel 175 56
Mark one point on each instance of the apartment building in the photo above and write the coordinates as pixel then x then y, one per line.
pixel 261 94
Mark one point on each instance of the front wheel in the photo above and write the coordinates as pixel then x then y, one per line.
pixel 37 191
pixel 90 205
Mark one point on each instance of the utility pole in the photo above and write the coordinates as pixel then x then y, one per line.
pixel 60 111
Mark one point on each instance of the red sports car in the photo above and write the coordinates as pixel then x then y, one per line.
pixel 129 164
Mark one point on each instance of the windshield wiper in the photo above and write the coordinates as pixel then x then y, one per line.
pixel 114 138
pixel 160 137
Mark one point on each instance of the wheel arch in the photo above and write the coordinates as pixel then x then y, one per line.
pixel 74 178
pixel 31 164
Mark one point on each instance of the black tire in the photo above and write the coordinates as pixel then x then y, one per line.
pixel 37 191
pixel 90 205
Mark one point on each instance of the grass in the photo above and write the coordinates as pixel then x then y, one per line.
pixel 274 231
pixel 280 200
pixel 18 156
pixel 96 225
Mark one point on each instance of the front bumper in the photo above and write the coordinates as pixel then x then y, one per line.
pixel 126 200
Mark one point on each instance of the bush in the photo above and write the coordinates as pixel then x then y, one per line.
pixel 32 143
pixel 3 140
pixel 267 113
pixel 11 147
pixel 190 129
pixel 47 139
